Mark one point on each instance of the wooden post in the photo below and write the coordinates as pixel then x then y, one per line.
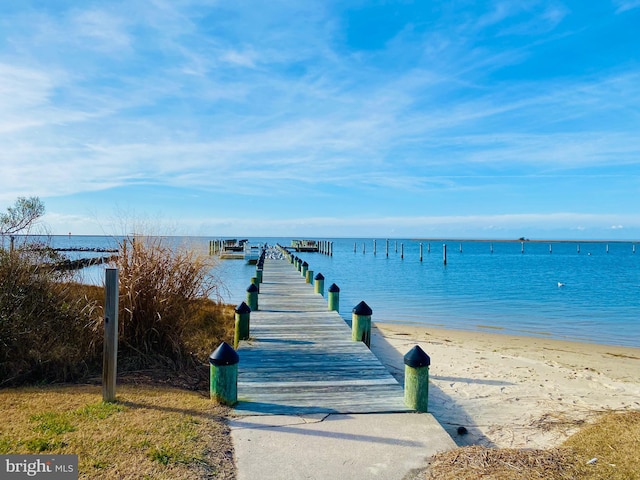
pixel 334 297
pixel 387 247
pixel 309 276
pixel 364 247
pixel 522 247
pixel 374 247
pixel 303 269
pixel 416 379
pixel 444 253
pixel 460 248
pixel 318 286
pixel 12 243
pixel 243 319
pixel 429 247
pixel 491 247
pixel 550 249
pixel 361 324
pixel 402 250
pixel 396 243
pixel 252 297
pixel 421 251
pixel 110 351
pixel 355 247
pixel 223 375
pixel 259 274
pixel 607 248
pixel 578 248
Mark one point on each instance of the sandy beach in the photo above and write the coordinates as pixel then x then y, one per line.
pixel 511 391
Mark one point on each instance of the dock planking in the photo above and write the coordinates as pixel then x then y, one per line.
pixel 300 358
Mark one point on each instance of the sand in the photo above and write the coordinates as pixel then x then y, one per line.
pixel 511 391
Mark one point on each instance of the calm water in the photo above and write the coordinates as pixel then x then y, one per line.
pixel 505 291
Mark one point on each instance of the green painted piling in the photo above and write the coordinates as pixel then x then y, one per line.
pixel 223 375
pixel 254 281
pixel 361 323
pixel 416 379
pixel 303 270
pixel 334 297
pixel 252 297
pixel 318 286
pixel 243 319
pixel 308 278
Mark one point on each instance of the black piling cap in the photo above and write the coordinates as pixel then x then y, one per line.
pixel 305 264
pixel 319 276
pixel 224 355
pixel 362 309
pixel 252 288
pixel 243 308
pixel 416 358
pixel 334 288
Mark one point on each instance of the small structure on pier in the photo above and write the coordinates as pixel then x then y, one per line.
pixel 305 245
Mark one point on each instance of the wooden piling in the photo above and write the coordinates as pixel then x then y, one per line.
pixel 361 324
pixel 444 253
pixel 309 277
pixel 387 247
pixel 318 286
pixel 416 379
pixel 252 297
pixel 420 251
pixel 242 324
pixel 110 350
pixel 223 368
pixel 402 250
pixel 334 297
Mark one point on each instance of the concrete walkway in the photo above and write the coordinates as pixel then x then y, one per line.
pixel 308 423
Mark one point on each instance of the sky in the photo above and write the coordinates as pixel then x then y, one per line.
pixel 294 118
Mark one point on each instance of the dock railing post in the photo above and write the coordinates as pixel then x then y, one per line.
pixel 416 379
pixel 334 297
pixel 243 319
pixel 252 297
pixel 318 286
pixel 223 374
pixel 308 278
pixel 361 323
pixel 303 270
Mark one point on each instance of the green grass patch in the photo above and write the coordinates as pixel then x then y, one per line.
pixel 149 432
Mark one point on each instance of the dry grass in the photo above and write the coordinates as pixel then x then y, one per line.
pixel 150 432
pixel 613 440
pixel 161 288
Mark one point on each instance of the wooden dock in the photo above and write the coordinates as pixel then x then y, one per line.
pixel 300 358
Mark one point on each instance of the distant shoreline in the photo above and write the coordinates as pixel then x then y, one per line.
pixel 416 239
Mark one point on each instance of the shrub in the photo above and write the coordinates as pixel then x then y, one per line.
pixel 45 329
pixel 161 288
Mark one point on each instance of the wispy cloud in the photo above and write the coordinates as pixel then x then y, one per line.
pixel 226 99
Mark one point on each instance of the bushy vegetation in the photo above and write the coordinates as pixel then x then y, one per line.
pixel 46 329
pixel 163 295
pixel 51 329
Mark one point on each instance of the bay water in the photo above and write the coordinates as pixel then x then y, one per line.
pixel 582 291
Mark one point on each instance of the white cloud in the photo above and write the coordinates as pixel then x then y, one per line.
pixel 625 5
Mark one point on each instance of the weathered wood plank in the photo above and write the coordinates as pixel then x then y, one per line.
pixel 300 358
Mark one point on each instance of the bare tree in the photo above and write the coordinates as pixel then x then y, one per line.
pixel 22 215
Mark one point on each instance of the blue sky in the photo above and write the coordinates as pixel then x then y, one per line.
pixel 494 119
